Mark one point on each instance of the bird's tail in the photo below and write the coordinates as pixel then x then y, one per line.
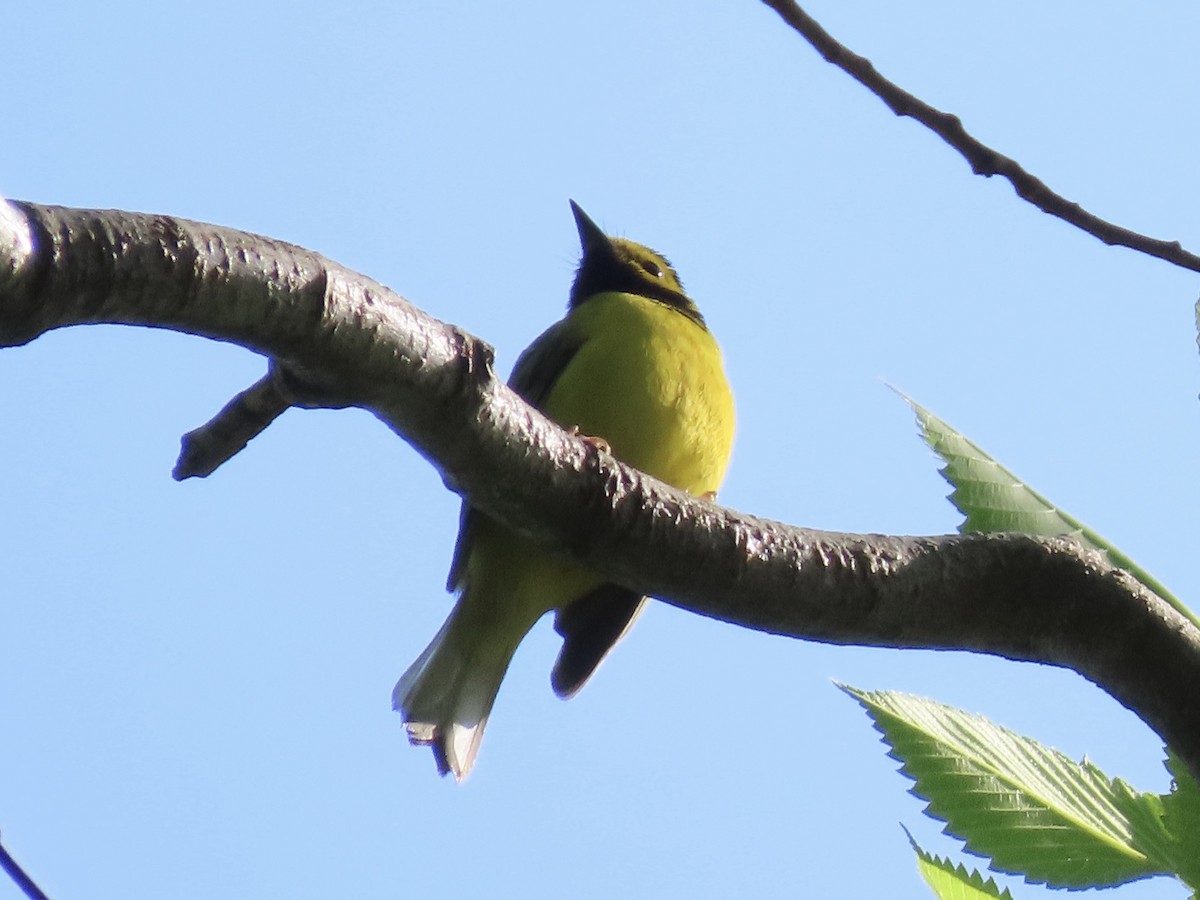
pixel 447 694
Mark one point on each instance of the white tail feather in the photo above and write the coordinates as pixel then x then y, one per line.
pixel 447 693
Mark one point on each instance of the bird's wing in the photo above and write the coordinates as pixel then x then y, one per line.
pixel 591 626
pixel 532 378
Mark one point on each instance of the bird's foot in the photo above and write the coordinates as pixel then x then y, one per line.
pixel 598 442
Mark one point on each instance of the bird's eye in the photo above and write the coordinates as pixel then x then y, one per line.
pixel 651 267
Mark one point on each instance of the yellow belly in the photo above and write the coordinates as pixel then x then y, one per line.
pixel 646 378
pixel 650 381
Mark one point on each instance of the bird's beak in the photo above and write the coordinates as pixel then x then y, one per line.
pixel 591 236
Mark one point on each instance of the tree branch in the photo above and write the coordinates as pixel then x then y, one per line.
pixel 227 433
pixel 982 158
pixel 14 871
pixel 354 342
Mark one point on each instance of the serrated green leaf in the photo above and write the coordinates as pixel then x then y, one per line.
pixel 1028 808
pixel 1181 815
pixel 951 882
pixel 991 498
pixel 1145 812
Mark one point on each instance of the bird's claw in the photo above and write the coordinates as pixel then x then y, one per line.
pixel 594 440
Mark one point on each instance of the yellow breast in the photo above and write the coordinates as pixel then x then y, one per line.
pixel 650 381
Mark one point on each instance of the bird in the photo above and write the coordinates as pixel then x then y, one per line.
pixel 633 368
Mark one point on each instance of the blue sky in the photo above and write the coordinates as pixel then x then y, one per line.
pixel 197 676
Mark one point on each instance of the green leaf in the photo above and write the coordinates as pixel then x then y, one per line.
pixel 994 499
pixel 1028 808
pixel 951 882
pixel 1181 815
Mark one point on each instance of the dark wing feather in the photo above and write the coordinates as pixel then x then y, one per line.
pixel 594 623
pixel 543 361
pixel 591 626
pixel 532 377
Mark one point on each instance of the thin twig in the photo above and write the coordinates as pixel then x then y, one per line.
pixel 982 158
pixel 17 874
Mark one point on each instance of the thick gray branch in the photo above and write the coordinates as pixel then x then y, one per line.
pixel 354 342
